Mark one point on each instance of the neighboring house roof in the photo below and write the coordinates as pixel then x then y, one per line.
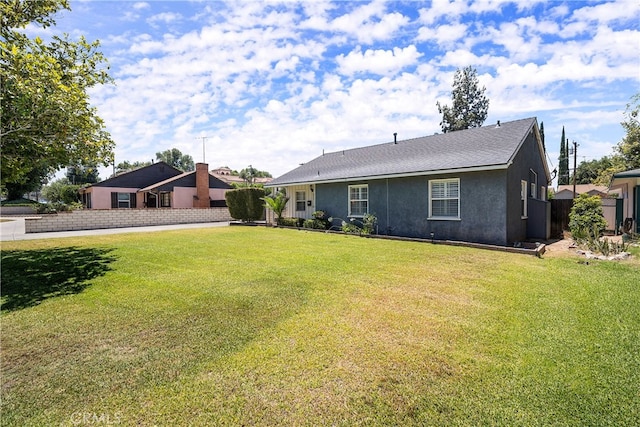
pixel 484 148
pixel 236 179
pixel 633 173
pixel 591 189
pixel 141 177
pixel 186 179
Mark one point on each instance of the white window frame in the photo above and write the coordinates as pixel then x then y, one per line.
pixel 523 198
pixel 359 187
pixel 543 193
pixel 447 196
pixel 301 201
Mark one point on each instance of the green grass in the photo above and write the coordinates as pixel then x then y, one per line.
pixel 256 326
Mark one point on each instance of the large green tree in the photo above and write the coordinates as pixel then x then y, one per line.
pixel 629 147
pixel 627 153
pixel 470 105
pixel 47 120
pixel 175 158
pixel 588 172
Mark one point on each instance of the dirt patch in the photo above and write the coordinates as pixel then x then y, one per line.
pixel 561 248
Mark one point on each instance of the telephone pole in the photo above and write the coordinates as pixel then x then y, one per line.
pixel 575 168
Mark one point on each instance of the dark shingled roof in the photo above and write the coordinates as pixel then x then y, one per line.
pixel 141 177
pixel 487 147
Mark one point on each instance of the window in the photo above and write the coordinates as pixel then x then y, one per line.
pixel 301 201
pixel 444 198
pixel 523 198
pixel 124 200
pixel 358 200
pixel 533 183
pixel 543 193
pixel 165 200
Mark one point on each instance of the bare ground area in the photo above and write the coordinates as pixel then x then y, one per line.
pixel 567 247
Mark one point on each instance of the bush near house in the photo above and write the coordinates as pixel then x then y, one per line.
pixel 318 222
pixel 291 222
pixel 586 216
pixel 246 203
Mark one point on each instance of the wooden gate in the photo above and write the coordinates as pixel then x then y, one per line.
pixel 560 209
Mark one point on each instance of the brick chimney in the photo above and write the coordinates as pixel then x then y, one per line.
pixel 202 186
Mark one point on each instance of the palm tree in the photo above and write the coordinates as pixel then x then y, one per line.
pixel 277 204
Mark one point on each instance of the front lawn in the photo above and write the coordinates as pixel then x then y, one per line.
pixel 257 326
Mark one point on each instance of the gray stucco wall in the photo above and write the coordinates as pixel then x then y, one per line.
pixel 536 224
pixel 401 206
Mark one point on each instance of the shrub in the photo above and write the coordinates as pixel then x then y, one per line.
pixel 50 208
pixel 61 191
pixel 593 242
pixel 318 222
pixel 246 203
pixel 365 226
pixel 291 222
pixel 586 216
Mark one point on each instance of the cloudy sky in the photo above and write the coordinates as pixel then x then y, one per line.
pixel 273 84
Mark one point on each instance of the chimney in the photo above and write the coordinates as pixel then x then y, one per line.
pixel 202 186
pixel 395 137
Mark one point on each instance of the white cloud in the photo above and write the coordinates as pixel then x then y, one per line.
pixel 164 18
pixel 622 10
pixel 443 35
pixel 381 62
pixel 449 9
pixel 272 84
pixel 368 23
pixel 141 5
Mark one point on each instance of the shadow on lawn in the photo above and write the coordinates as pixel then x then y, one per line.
pixel 31 276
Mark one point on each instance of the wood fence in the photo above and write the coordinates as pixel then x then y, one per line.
pixel 560 209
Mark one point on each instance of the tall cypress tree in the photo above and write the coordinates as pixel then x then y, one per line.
pixel 563 168
pixel 542 136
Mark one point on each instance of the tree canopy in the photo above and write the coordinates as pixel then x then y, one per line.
pixel 127 166
pixel 626 153
pixel 589 172
pixel 470 105
pixel 47 120
pixel 629 147
pixel 175 158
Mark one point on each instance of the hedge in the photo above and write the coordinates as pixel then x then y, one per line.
pixel 246 203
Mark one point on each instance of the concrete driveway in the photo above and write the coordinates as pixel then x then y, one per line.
pixel 12 228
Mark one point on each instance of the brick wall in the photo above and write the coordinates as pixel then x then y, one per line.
pixel 116 218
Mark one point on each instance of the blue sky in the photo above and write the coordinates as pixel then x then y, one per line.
pixel 273 84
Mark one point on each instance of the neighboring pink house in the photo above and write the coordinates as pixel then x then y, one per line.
pixel 159 185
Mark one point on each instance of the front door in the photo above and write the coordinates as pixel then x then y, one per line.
pixel 152 200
